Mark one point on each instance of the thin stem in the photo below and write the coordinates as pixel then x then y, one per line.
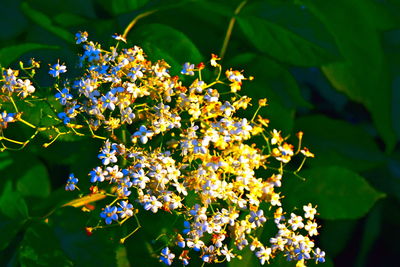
pixel 230 28
pixel 135 20
pixel 301 165
pixel 14 105
pixel 27 123
pixel 11 140
pixel 122 240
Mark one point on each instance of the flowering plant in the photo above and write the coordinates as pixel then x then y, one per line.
pixel 173 146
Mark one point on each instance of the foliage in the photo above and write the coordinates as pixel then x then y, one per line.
pixel 327 68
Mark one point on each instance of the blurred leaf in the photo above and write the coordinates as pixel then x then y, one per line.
pixel 248 259
pixel 364 71
pixel 12 204
pixel 371 233
pixel 338 192
pixel 35 182
pixel 224 8
pixel 117 7
pixel 10 54
pixel 69 19
pixel 122 258
pixel 287 33
pixel 391 45
pixel 9 228
pixel 99 249
pixel 335 235
pixel 164 42
pixel 337 142
pixel 13 21
pixel 40 247
pixel 5 160
pixel 45 22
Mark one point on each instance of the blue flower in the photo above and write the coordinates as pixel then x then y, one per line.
pixel 257 218
pixel 188 69
pixel 71 183
pixel 125 209
pixel 63 96
pixel 109 101
pixel 109 214
pixel 143 134
pixel 167 256
pixel 81 37
pixel 97 175
pixel 319 255
pixel 64 117
pixel 57 69
pixel 6 118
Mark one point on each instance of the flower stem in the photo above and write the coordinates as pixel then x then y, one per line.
pixel 135 20
pixel 230 28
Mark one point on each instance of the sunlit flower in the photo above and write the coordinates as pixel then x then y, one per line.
pixel 57 69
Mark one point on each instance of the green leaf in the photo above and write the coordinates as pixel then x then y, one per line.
pixel 337 142
pixel 9 228
pixel 248 259
pixel 122 257
pixel 118 7
pixel 9 54
pixel 40 247
pixel 12 204
pixel 164 42
pixel 42 20
pixel 99 249
pixel 35 182
pixel 5 160
pixel 287 33
pixel 339 193
pixel 69 19
pixel 391 43
pixel 335 235
pixel 363 75
pixel 371 233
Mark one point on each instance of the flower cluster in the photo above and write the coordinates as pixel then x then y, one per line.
pixel 167 142
pixel 12 85
pixel 187 140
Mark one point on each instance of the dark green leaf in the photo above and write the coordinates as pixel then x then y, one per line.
pixel 371 233
pixel 164 42
pixel 9 228
pixel 69 19
pixel 335 235
pixel 45 22
pixel 40 247
pixel 287 33
pixel 118 7
pixel 35 182
pixel 99 249
pixel 13 21
pixel 363 75
pixel 336 142
pixel 12 204
pixel 338 192
pixel 5 160
pixel 9 54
